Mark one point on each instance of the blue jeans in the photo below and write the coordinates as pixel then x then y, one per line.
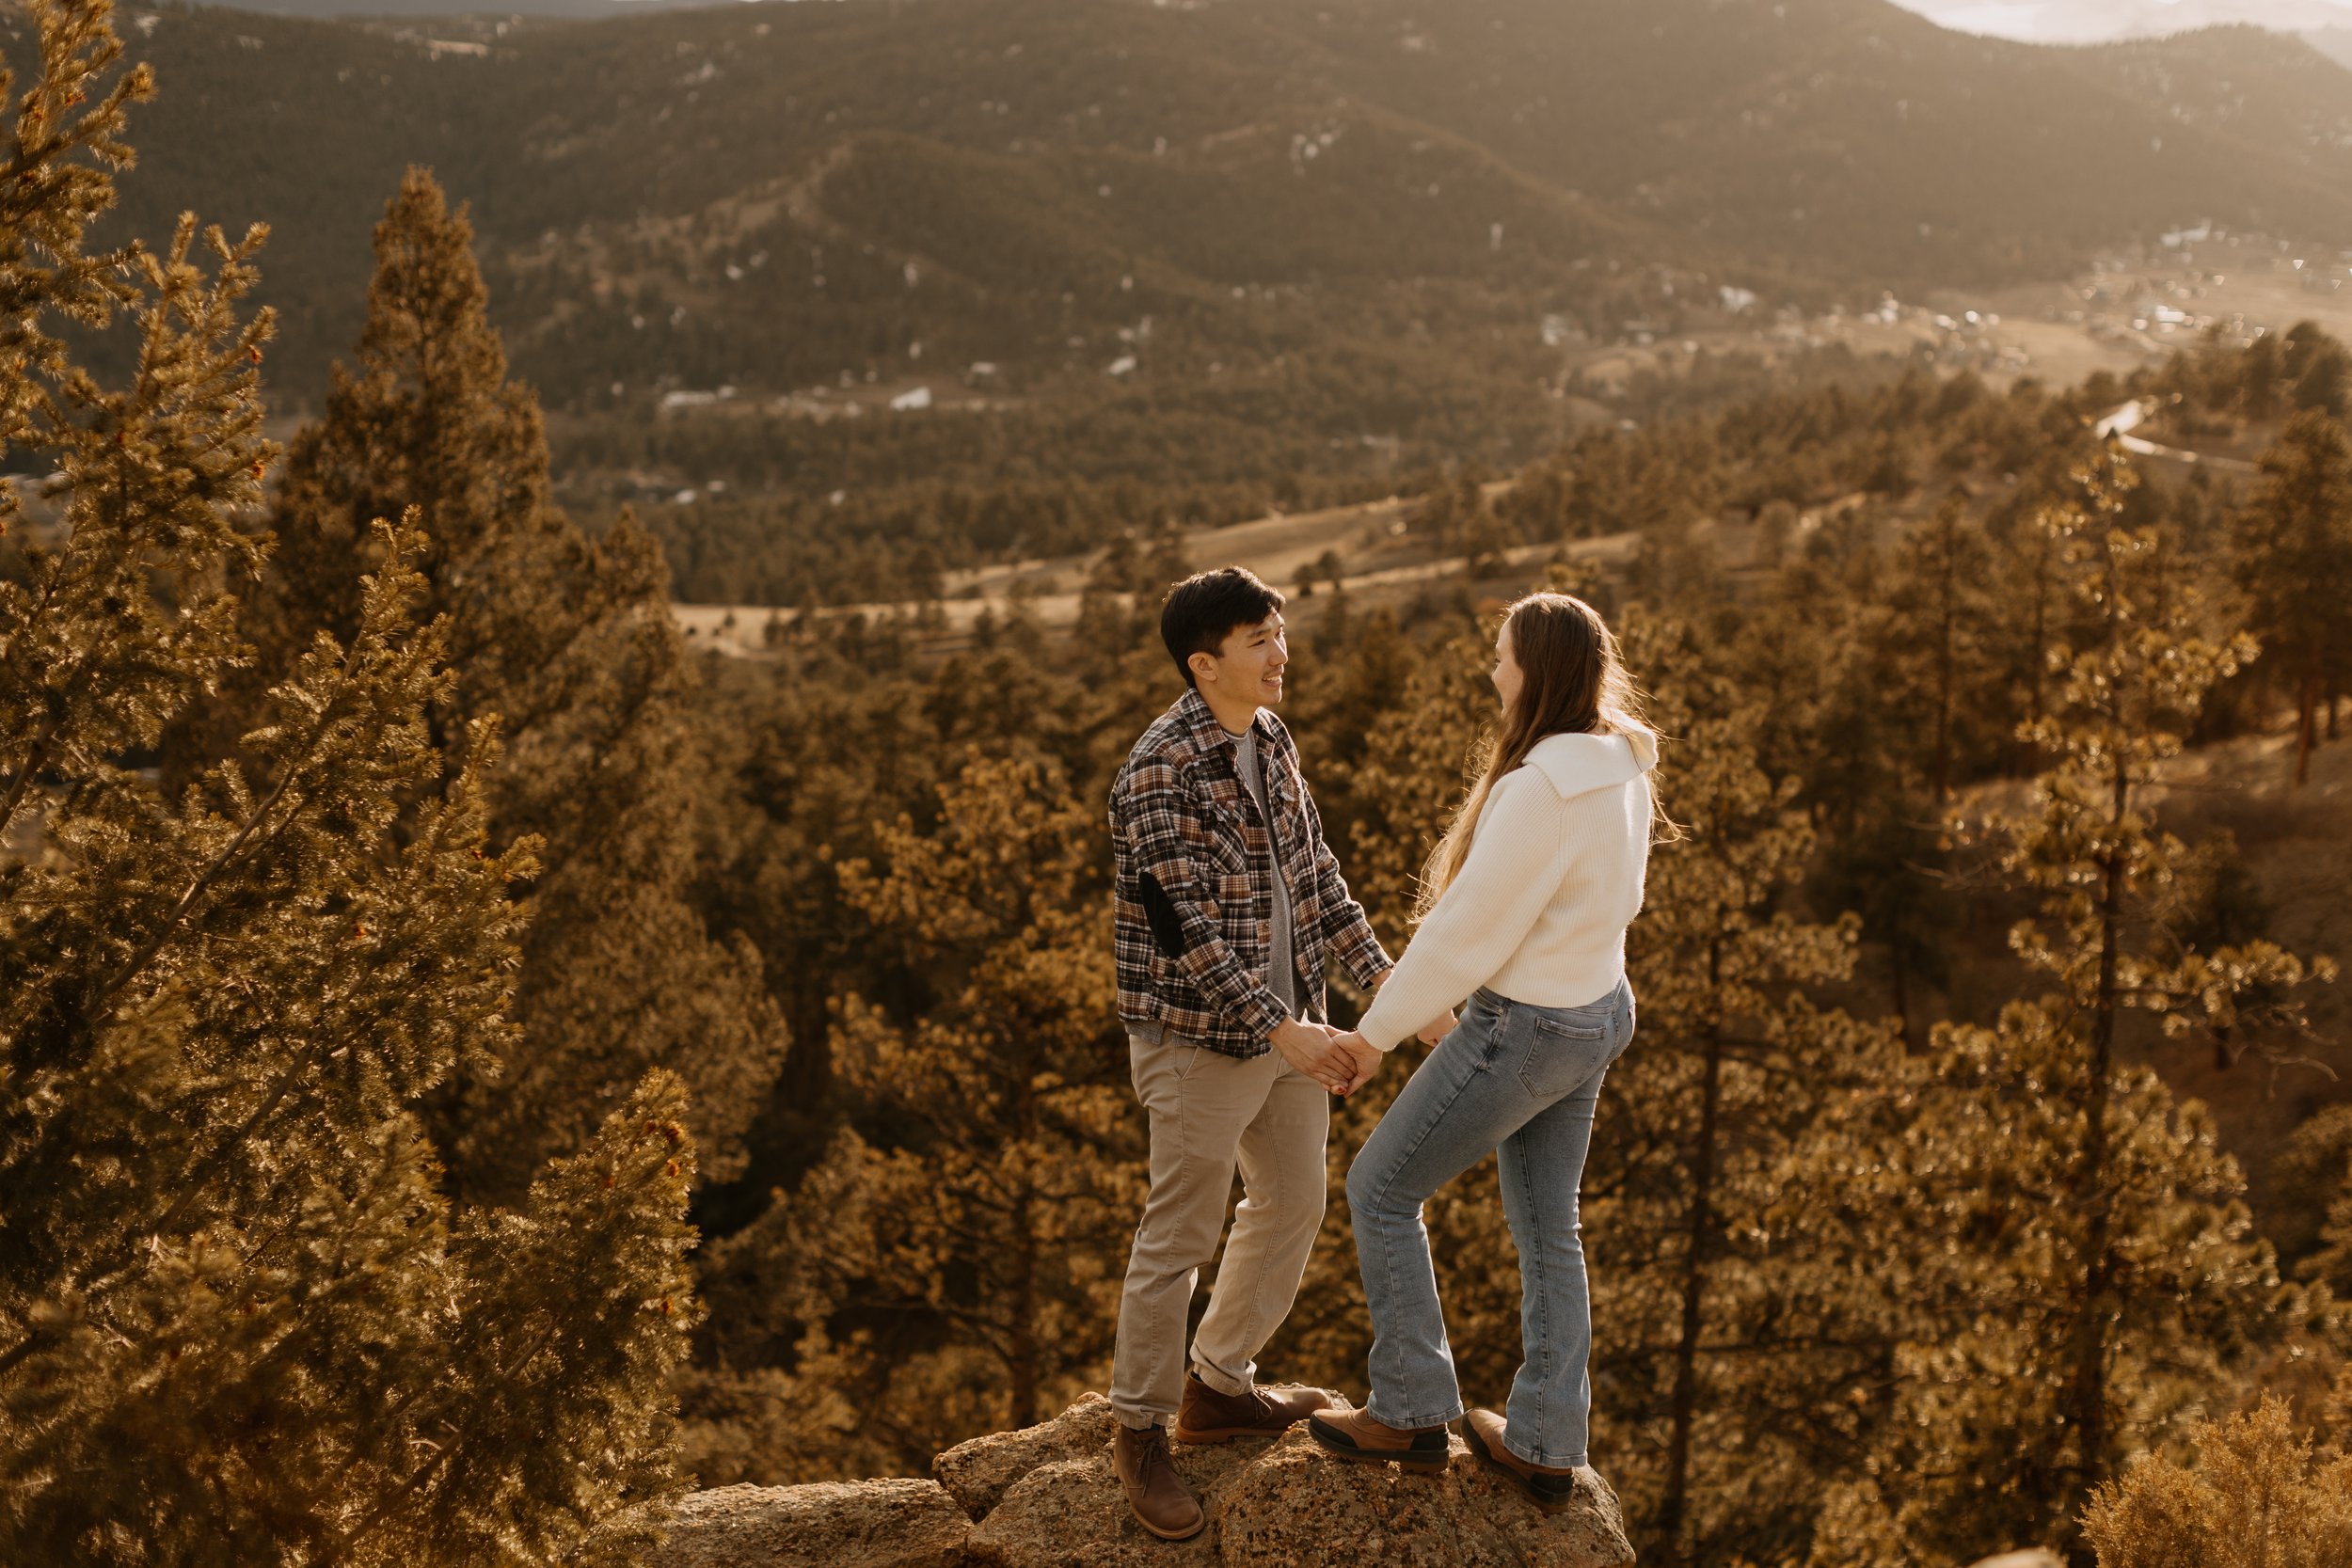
pixel 1523 1079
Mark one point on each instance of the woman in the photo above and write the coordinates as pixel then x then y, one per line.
pixel 1524 909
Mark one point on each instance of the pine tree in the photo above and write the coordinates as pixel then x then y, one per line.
pixel 2084 1274
pixel 238 1323
pixel 570 643
pixel 2033 615
pixel 2294 560
pixel 955 1268
pixel 2262 1494
pixel 1939 610
pixel 1719 1357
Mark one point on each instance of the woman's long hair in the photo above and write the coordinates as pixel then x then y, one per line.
pixel 1572 681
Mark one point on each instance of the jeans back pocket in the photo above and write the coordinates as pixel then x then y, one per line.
pixel 1562 1055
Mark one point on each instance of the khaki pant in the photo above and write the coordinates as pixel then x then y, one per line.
pixel 1211 1114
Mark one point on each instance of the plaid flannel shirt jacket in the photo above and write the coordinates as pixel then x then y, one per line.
pixel 1193 900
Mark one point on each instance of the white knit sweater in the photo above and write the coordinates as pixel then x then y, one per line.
pixel 1538 912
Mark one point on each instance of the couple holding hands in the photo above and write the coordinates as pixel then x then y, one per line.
pixel 1229 905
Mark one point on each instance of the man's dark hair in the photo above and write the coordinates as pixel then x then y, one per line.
pixel 1205 608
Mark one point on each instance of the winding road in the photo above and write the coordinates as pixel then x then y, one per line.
pixel 2121 422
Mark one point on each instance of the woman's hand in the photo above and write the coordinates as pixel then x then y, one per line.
pixel 1363 1057
pixel 1435 1030
pixel 1313 1050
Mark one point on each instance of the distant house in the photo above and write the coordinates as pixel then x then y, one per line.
pixel 1559 331
pixel 908 401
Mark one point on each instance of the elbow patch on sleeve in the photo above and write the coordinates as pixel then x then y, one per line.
pixel 1167 927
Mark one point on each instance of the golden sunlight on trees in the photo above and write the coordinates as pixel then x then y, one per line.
pixel 1723 1346
pixel 2262 1494
pixel 238 1320
pixel 570 643
pixel 2293 547
pixel 963 1271
pixel 2082 1270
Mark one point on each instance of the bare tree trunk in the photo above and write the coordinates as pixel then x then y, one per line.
pixel 2306 727
pixel 1899 985
pixel 1945 630
pixel 2041 650
pixel 2093 1198
pixel 1685 1404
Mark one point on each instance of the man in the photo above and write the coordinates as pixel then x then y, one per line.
pixel 1228 904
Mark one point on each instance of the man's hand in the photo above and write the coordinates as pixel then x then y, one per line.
pixel 1307 1047
pixel 1434 1030
pixel 1363 1059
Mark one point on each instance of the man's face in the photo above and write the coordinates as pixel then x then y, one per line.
pixel 1248 667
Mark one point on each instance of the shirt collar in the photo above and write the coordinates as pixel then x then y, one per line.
pixel 1205 728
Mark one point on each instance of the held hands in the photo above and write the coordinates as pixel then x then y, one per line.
pixel 1363 1059
pixel 1310 1048
pixel 1343 1061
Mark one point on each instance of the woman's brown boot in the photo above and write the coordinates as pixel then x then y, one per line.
pixel 1547 1487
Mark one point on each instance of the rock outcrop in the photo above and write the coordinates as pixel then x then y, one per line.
pixel 1047 1498
pixel 858 1524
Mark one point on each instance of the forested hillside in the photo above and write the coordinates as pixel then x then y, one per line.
pixel 1154 266
pixel 769 197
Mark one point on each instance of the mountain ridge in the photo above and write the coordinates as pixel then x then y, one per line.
pixel 773 198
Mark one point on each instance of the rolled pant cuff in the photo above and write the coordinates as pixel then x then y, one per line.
pixel 1135 1420
pixel 1231 1387
pixel 1537 1456
pixel 1410 1423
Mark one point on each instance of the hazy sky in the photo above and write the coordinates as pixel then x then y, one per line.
pixel 2074 21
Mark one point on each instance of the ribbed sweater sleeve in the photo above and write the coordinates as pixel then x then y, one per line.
pixel 1517 858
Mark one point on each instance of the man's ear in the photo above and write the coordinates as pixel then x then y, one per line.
pixel 1204 667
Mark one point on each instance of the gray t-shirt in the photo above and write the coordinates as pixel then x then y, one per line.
pixel 1281 966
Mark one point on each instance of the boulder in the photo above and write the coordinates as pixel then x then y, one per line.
pixel 1298 1506
pixel 1047 1498
pixel 859 1524
pixel 1073 1514
pixel 1288 1504
pixel 977 1473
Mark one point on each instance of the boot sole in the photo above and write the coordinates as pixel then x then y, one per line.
pixel 1526 1489
pixel 1216 1436
pixel 1427 1464
pixel 1168 1534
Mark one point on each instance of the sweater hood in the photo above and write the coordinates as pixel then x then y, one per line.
pixel 1580 763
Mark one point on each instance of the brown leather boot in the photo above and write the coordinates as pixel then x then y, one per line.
pixel 1208 1417
pixel 1547 1488
pixel 1355 1435
pixel 1163 1503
